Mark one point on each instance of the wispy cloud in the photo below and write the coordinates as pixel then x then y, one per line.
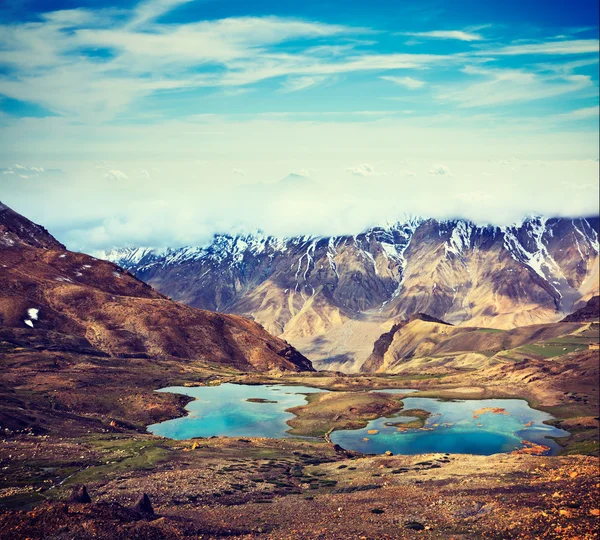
pixel 24 171
pixel 504 86
pixel 576 46
pixel 94 64
pixel 459 35
pixel 581 114
pixel 408 82
pixel 294 84
pixel 365 169
pixel 439 170
pixel 150 10
pixel 115 174
pixel 49 62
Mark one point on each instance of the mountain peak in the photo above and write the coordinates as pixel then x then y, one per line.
pixel 17 230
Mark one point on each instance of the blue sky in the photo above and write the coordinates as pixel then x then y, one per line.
pixel 163 93
pixel 173 58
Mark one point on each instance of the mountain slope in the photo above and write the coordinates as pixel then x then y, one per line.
pixel 45 288
pixel 16 230
pixel 424 344
pixel 326 294
pixel 589 312
pixel 499 277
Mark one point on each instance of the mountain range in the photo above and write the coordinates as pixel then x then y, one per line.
pixel 333 297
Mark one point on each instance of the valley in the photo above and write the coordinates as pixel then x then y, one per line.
pixel 299 270
pixel 84 345
pixel 92 432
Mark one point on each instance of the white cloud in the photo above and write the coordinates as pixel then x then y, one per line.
pixel 293 84
pixel 307 173
pixel 446 34
pixel 115 174
pixel 109 214
pixel 239 172
pixel 26 172
pixel 439 170
pixel 147 56
pixel 407 82
pixel 502 86
pixel 152 9
pixel 362 170
pixel 580 114
pixel 577 46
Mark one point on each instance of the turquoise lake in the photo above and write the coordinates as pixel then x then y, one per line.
pixel 223 410
pixel 462 427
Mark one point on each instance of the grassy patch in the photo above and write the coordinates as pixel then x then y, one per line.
pixel 420 415
pixel 120 456
pixel 551 349
pixel 341 410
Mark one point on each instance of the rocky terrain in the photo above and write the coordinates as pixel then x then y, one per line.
pixel 329 296
pixel 50 293
pixel 92 433
pixel 423 341
pixel 84 345
pixel 232 489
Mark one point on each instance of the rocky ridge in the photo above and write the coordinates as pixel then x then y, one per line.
pixel 51 297
pixel 323 293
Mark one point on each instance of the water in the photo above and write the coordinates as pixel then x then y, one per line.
pixel 225 411
pixel 455 428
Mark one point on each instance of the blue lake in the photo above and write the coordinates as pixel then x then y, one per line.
pixel 482 427
pixel 224 410
pixel 456 427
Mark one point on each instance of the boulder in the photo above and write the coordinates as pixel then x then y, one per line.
pixel 144 506
pixel 80 495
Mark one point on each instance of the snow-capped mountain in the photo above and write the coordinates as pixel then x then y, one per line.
pixel 325 294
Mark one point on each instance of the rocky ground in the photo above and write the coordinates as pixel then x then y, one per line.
pixel 269 489
pixel 70 419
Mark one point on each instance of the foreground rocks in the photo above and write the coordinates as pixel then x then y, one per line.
pixel 292 489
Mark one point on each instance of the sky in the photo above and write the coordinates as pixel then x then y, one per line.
pixel 163 122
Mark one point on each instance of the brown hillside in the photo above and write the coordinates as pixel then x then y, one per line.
pixel 77 295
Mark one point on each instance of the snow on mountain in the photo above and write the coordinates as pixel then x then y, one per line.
pixel 303 287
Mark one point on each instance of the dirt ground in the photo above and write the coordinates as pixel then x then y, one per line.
pixel 68 420
pixel 290 489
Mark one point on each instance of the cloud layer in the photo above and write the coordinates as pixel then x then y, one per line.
pixel 333 200
pixel 169 120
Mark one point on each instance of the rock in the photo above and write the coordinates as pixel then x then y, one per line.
pixel 388 453
pixel 144 506
pixel 414 526
pixel 80 495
